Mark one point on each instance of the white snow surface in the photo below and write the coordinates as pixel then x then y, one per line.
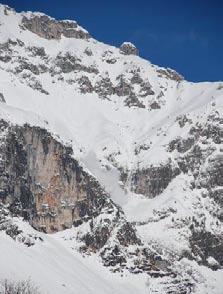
pixel 54 267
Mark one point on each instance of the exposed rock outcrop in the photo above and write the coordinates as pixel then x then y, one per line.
pixel 70 63
pixel 2 98
pixel 48 28
pixel 128 48
pixel 170 74
pixel 104 87
pixel 85 85
pixel 205 245
pixel 154 180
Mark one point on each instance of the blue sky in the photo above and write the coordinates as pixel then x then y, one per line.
pixel 184 35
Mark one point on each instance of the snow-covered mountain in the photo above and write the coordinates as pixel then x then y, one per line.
pixel 111 167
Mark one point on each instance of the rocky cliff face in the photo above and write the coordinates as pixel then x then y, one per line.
pixel 49 28
pixel 42 182
pixel 41 179
pixel 153 180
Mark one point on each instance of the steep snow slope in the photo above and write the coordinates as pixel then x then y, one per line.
pixel 124 118
pixel 55 268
